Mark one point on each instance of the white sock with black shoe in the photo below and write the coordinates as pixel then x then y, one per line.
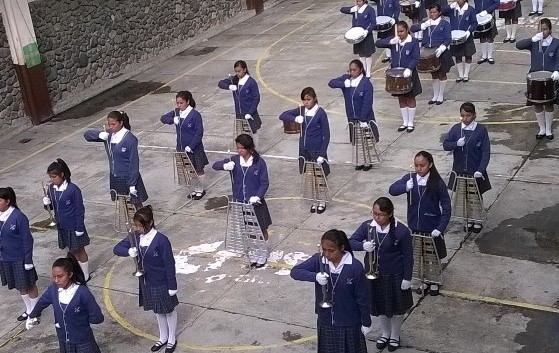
pixel 436 86
pixel 460 67
pixel 540 6
pixel 172 327
pixel 514 29
pixel 32 303
pixel 27 302
pixel 411 116
pixel 548 123
pixel 163 330
pixel 405 116
pixel 396 322
pixel 483 47
pixel 467 70
pixel 85 269
pixel 385 329
pixel 442 86
pixel 490 50
pixel 508 28
pixel 368 66
pixel 540 117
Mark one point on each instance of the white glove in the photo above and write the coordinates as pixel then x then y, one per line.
pixel 395 41
pixel 435 233
pixel 31 322
pixel 46 200
pixel 425 25
pixel 368 246
pixel 353 9
pixel 229 166
pixel 392 22
pixel 133 191
pixel 347 83
pixel 133 252
pixel 454 6
pixel 468 34
pixel 188 149
pixel 176 120
pixel 299 119
pixel 363 124
pixel 407 73
pixel 248 117
pixel 440 50
pixel 537 37
pixel 172 292
pixel 28 267
pixel 320 160
pixel 233 88
pixel 417 4
pixel 461 142
pixel 365 330
pixel 254 199
pixel 478 175
pixel 405 285
pixel 555 76
pixel 409 185
pixel 103 135
pixel 322 278
pixel 79 234
pixel 483 13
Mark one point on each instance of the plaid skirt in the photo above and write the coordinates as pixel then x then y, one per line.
pixel 312 156
pixel 467 48
pixel 386 34
pixel 340 339
pixel 69 239
pixel 156 299
pixel 483 184
pixel 14 275
pixel 366 47
pixel 121 186
pixel 263 215
pixel 199 159
pixel 88 347
pixel 388 298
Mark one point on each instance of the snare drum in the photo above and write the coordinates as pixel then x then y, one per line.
pixel 458 37
pixel 383 23
pixel 396 83
pixel 291 127
pixel 540 88
pixel 355 35
pixel 428 61
pixel 407 7
pixel 484 23
pixel 506 5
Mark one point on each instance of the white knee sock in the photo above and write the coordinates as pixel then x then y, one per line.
pixel 256 139
pixel 396 322
pixel 27 302
pixel 385 325
pixel 540 117
pixel 163 330
pixel 509 30
pixel 460 67
pixel 467 70
pixel 540 5
pixel 442 86
pixel 436 85
pixel 514 29
pixel 172 325
pixel 261 260
pixel 369 62
pixel 85 269
pixel 548 123
pixel 33 302
pixel 534 5
pixel 483 50
pixel 405 116
pixel 490 50
pixel 411 116
pixel 364 62
pixel 388 53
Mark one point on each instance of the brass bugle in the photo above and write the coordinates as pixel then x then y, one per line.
pixel 373 256
pixel 324 303
pixel 139 271
pixel 49 208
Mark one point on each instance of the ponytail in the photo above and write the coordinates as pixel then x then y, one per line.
pixel 60 168
pixel 120 116
pixel 71 265
pixel 187 96
pixel 339 238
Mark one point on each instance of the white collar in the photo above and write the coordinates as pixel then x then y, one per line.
pixel 118 136
pixel 62 187
pixel 463 9
pixel 312 111
pixel 6 214
pixel 347 259
pixel 547 41
pixel 436 22
pixel 407 40
pixel 470 127
pixel 362 8
pixel 374 224
pixel 246 163
pixel 184 113
pixel 66 295
pixel 422 181
pixel 243 80
pixel 146 239
pixel 355 82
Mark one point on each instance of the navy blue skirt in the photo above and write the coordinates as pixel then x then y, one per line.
pixel 340 339
pixel 388 298
pixel 312 156
pixel 467 48
pixel 14 275
pixel 198 158
pixel 446 61
pixel 483 184
pixel 122 187
pixel 69 239
pixel 156 299
pixel 513 14
pixel 263 215
pixel 366 47
pixel 88 347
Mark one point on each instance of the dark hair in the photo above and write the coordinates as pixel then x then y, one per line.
pixel 434 175
pixel 385 205
pixel 403 24
pixel 468 107
pixel 144 216
pixel 358 63
pixel 120 117
pixel 339 238
pixel 435 6
pixel 242 64
pixel 309 91
pixel 59 168
pixel 546 21
pixel 9 194
pixel 248 143
pixel 71 266
pixel 187 96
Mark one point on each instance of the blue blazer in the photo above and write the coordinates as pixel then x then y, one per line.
pixel 189 130
pixel 69 209
pixel 406 56
pixel 73 323
pixel 474 155
pixel 465 22
pixel 247 182
pixel 546 60
pixel 366 20
pixel 246 99
pixel 16 241
pixel 358 100
pixel 315 130
pixel 434 36
pixel 390 8
pixel 351 299
pixel 486 5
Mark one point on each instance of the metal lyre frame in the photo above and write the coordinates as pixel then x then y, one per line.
pixel 314 186
pixel 364 143
pixel 242 127
pixel 373 257
pixel 467 203
pixel 124 212
pixel 426 263
pixel 138 263
pixel 324 303
pixel 184 172
pixel 49 208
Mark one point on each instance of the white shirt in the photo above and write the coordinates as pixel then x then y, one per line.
pixel 184 113
pixel 312 111
pixel 66 295
pixel 4 215
pixel 146 239
pixel 347 259
pixel 422 181
pixel 62 187
pixel 374 224
pixel 247 163
pixel 407 40
pixel 118 136
pixel 470 127
pixel 362 8
pixel 547 41
pixel 355 81
pixel 462 9
pixel 243 80
pixel 436 22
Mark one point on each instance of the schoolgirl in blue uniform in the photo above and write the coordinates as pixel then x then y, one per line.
pixel 190 131
pixel 363 16
pixel 158 284
pixel 390 8
pixel 537 8
pixel 74 307
pixel 249 177
pixel 511 21
pixel 418 14
pixel 124 162
pixel 471 150
pixel 246 95
pixel 462 17
pixel 544 56
pixel 315 134
pixel 437 34
pixel 391 295
pixel 16 251
pixel 65 199
pixel 485 7
pixel 405 53
pixel 341 328
pixel 429 205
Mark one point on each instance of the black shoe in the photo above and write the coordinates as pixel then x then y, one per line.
pixel 468 228
pixel 540 136
pixel 253 264
pixel 439 102
pixel 22 317
pixel 481 61
pixel 261 265
pixel 171 349
pixel 506 40
pixel 431 102
pixel 465 79
pixel 359 167
pixel 313 208
pixel 477 228
pixel 158 345
pixel 434 290
pixel 402 128
pixel 512 40
pixel 459 79
pixel 422 290
pixel 540 13
pixel 549 137
pixel 191 195
pixel 491 61
pixel 410 129
pixel 382 342
pixel 385 60
pixel 199 195
pixel 393 345
pixel 322 208
pixel 532 13
pixel 367 168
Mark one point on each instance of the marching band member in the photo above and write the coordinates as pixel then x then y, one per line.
pixel 390 8
pixel 437 34
pixel 190 131
pixel 363 16
pixel 16 253
pixel 544 55
pixel 418 14
pixel 246 95
pixel 74 307
pixel 462 17
pixel 315 134
pixel 341 328
pixel 470 146
pixel 405 53
pixel 65 198
pixel 511 21
pixel 249 177
pixel 158 284
pixel 391 295
pixel 483 8
pixel 537 8
pixel 428 202
pixel 124 162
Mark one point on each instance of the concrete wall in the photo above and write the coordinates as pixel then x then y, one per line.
pixel 11 105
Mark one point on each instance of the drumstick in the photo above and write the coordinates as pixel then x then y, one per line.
pixel 411 176
pixel 301 127
pixel 539 31
pixel 174 105
pixel 396 35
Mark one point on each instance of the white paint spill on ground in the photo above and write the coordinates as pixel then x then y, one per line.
pixel 282 272
pixel 182 265
pixel 275 255
pixel 294 258
pixel 203 248
pixel 215 278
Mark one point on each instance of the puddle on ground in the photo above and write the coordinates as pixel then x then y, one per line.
pixel 41 226
pixel 289 336
pixel 197 51
pixel 216 203
pixel 541 333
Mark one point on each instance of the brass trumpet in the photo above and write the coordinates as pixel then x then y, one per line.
pixel 324 303
pixel 49 208
pixel 373 257
pixel 139 271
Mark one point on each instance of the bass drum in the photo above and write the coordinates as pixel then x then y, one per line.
pixel 355 35
pixel 540 88
pixel 396 83
pixel 428 61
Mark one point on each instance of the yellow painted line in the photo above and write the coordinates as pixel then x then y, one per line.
pixel 499 82
pixel 490 300
pixel 513 51
pixel 14 336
